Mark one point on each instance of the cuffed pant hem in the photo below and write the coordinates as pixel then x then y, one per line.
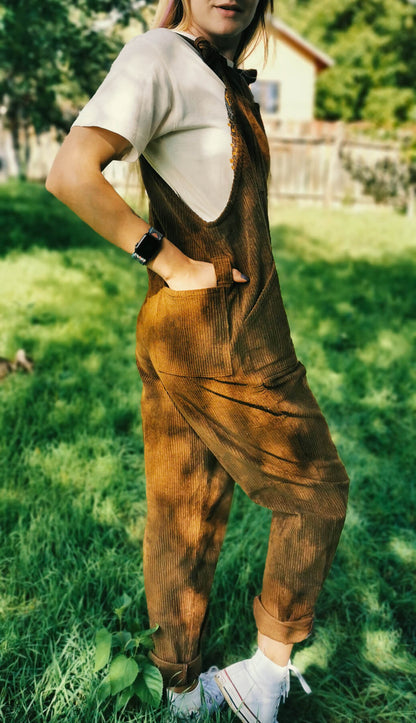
pixel 177 674
pixel 290 631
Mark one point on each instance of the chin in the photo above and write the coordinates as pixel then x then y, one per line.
pixel 226 30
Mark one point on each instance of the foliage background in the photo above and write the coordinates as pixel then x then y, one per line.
pixel 54 54
pixel 373 44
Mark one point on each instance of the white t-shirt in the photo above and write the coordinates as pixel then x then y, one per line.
pixel 163 98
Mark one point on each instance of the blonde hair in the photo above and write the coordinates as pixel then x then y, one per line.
pixel 177 14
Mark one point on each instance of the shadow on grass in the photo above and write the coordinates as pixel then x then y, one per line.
pixel 73 507
pixel 354 323
pixel 32 217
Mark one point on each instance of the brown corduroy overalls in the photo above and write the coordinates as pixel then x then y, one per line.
pixel 225 399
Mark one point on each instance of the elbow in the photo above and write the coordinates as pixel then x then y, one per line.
pixel 49 185
pixel 55 182
pixel 62 182
pixel 77 165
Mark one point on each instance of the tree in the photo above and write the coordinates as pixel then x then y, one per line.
pixel 373 43
pixel 52 54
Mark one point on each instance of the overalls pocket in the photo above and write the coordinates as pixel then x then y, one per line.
pixel 191 332
pixel 267 340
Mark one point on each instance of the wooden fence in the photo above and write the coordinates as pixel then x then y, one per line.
pixel 306 161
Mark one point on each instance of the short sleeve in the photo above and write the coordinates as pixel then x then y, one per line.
pixel 134 100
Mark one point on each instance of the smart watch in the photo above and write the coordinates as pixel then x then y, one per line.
pixel 148 247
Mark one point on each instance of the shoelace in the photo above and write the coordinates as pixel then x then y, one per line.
pixel 285 685
pixel 212 693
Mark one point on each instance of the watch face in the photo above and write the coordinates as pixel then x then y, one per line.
pixel 147 248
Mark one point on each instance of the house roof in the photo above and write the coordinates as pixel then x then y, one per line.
pixel 321 59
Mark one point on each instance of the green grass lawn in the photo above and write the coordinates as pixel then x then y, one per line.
pixel 72 505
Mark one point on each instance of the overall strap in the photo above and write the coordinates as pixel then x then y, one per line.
pixel 218 63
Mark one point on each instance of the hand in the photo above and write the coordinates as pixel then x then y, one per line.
pixel 181 273
pixel 199 275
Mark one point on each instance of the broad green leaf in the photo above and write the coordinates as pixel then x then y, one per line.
pixel 147 643
pixel 124 697
pixel 145 638
pixel 102 649
pixel 142 660
pixel 148 685
pixel 141 690
pixel 122 673
pixel 104 690
pixel 130 645
pixel 122 638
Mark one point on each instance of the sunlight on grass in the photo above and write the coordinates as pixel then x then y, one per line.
pixel 67 299
pixel 61 464
pixel 405 549
pixel 338 234
pixel 319 653
pixel 388 347
pixel 382 649
pixel 72 504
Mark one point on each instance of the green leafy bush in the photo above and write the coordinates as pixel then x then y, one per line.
pixel 389 106
pixel 130 672
pixel 389 180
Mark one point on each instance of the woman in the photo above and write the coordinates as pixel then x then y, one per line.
pixel 224 396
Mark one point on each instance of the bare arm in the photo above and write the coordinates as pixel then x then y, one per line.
pixel 76 179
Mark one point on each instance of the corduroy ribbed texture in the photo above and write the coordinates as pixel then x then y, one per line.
pixel 224 399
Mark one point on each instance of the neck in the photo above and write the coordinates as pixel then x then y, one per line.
pixel 226 45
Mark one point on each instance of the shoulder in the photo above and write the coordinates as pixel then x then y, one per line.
pixel 160 44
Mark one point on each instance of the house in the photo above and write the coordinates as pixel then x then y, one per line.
pixel 285 86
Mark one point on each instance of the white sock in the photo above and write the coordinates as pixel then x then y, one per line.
pixel 265 670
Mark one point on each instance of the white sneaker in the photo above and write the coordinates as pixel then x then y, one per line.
pixel 255 699
pixel 203 700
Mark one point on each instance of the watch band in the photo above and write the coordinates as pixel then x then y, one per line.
pixel 148 247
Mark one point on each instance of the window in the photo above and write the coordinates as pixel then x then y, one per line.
pixel 267 93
